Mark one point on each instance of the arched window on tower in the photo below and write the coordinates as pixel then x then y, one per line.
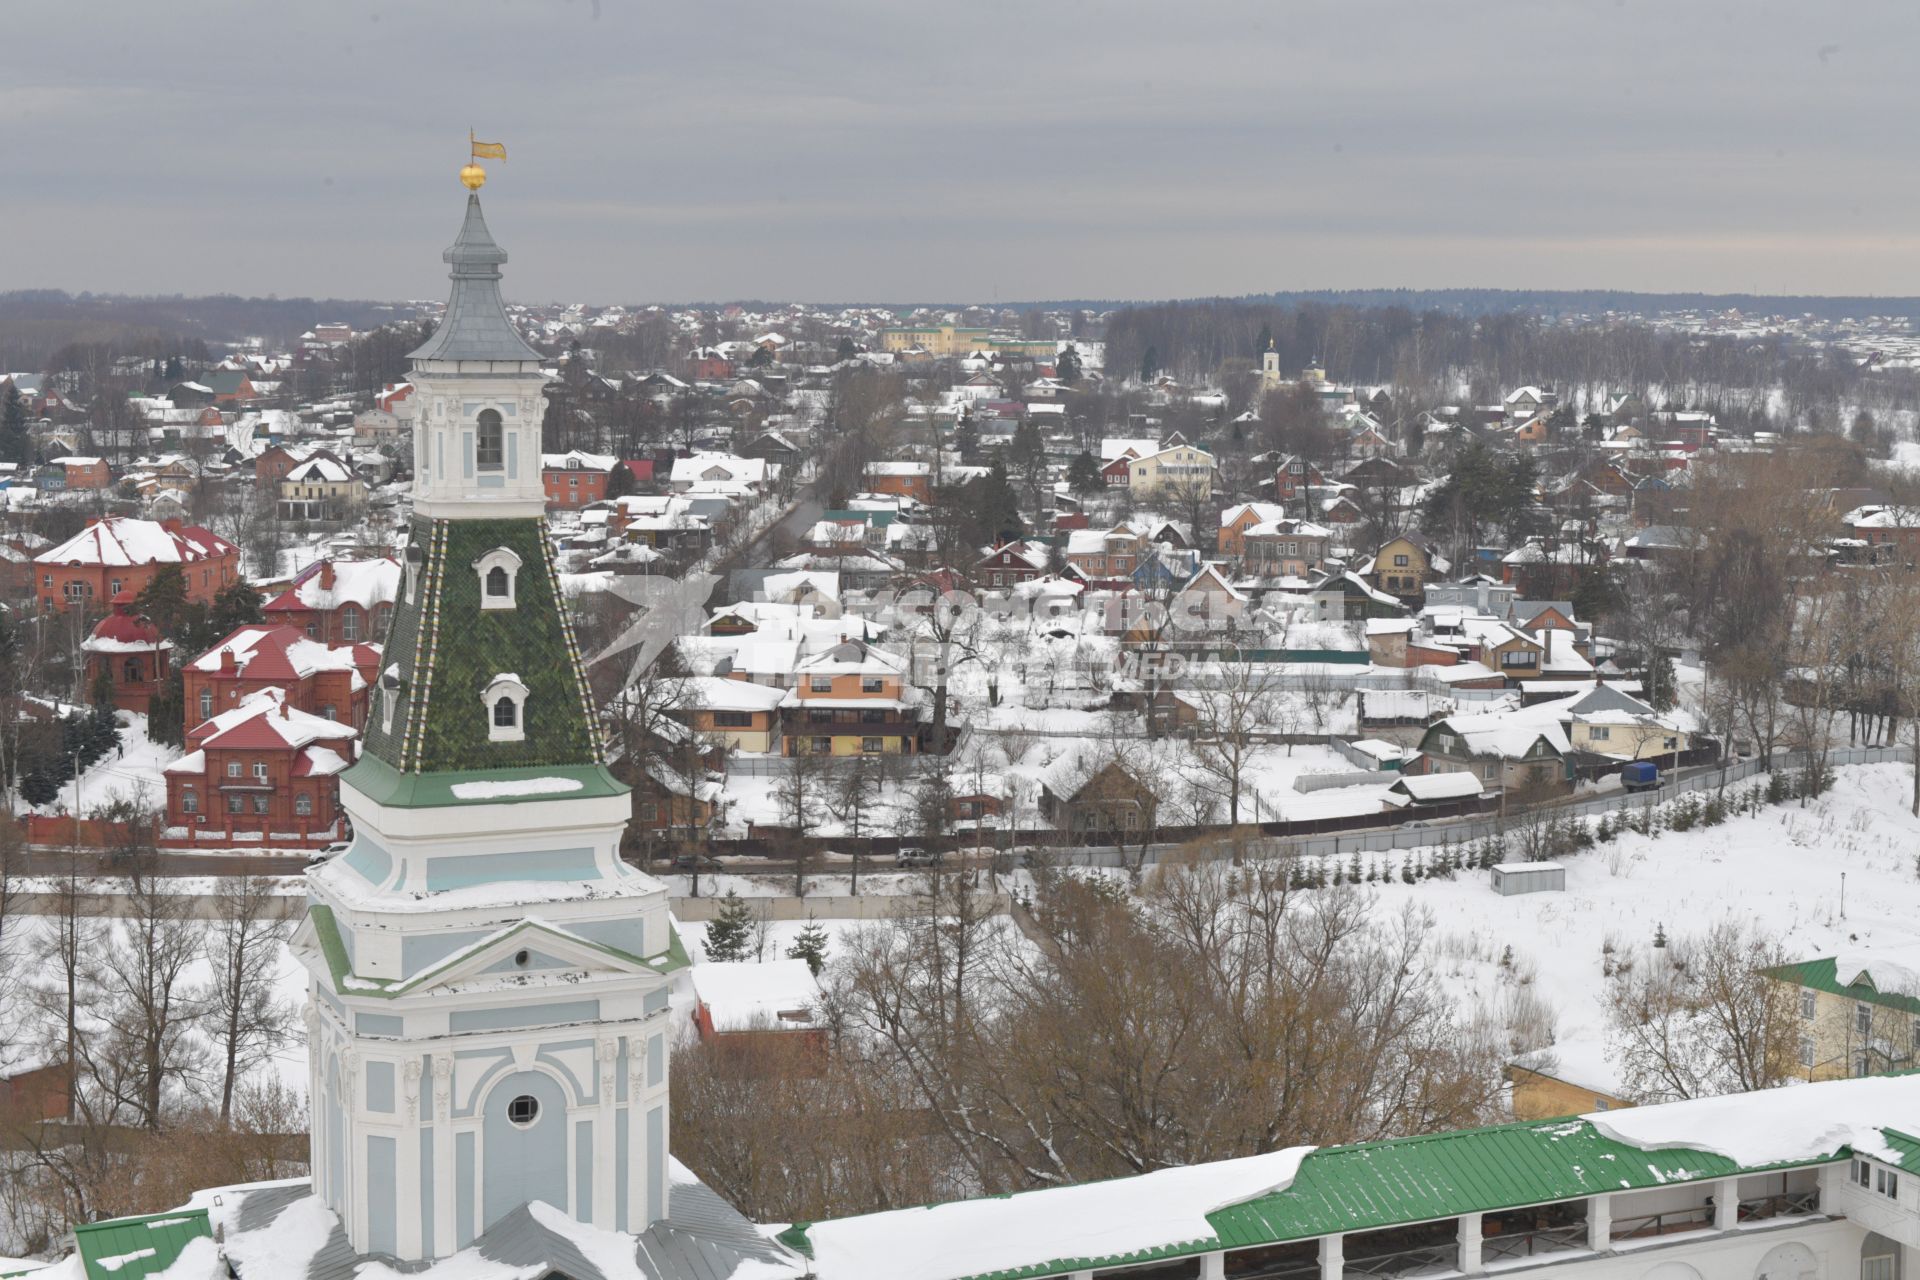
pixel 505 714
pixel 498 584
pixel 489 447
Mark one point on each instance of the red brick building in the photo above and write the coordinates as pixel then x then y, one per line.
pixel 339 602
pixel 575 479
pixel 130 650
pixel 117 554
pixel 329 683
pixel 262 769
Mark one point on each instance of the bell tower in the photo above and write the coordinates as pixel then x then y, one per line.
pixel 488 997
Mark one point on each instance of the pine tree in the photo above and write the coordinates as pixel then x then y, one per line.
pixel 1265 340
pixel 966 439
pixel 1149 363
pixel 846 350
pixel 100 690
pixel 164 600
pixel 166 712
pixel 1066 366
pixel 14 443
pixel 1083 474
pixel 811 946
pixel 729 933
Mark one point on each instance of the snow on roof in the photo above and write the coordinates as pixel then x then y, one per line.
pixel 700 467
pixel 1892 971
pixel 122 540
pixel 575 460
pixel 1033 1230
pixel 267 710
pixel 713 693
pixel 749 997
pixel 1527 866
pixel 277 652
pixel 320 469
pixel 1776 1126
pixel 1439 786
pixel 361 582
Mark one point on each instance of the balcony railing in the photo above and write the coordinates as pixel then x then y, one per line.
pixel 1785 1204
pixel 1650 1225
pixel 1528 1244
pixel 1278 1269
pixel 1428 1260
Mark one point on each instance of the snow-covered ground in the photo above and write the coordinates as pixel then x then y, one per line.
pixel 132 773
pixel 1780 870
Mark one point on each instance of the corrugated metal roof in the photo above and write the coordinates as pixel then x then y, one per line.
pixel 1407 1180
pixel 133 1248
pixel 1822 975
pixel 1904 1145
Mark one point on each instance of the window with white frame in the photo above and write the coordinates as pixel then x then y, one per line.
pixel 1863 1019
pixel 499 571
pixel 1809 1003
pixel 505 703
pixel 489 447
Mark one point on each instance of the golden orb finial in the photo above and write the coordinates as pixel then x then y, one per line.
pixel 473 177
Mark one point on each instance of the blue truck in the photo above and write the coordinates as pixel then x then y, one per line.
pixel 1640 775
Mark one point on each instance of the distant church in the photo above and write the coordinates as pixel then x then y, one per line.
pixel 488 1022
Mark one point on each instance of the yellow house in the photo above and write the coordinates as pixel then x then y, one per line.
pixel 1539 1093
pixel 959 340
pixel 321 488
pixel 1859 1014
pixel 851 700
pixel 1403 566
pixel 740 713
pixel 1184 465
pixel 1611 723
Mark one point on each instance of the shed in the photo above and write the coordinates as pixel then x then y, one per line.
pixel 1510 878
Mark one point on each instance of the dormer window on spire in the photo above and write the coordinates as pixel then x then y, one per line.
pixel 499 571
pixel 505 701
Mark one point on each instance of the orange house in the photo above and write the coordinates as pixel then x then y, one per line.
pixel 119 554
pixel 851 700
pixel 1235 521
pixel 903 479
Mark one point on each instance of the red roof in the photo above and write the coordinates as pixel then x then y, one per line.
pixel 126 628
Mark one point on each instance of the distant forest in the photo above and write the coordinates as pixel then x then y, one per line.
pixel 37 323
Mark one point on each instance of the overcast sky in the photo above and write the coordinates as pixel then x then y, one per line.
pixel 705 149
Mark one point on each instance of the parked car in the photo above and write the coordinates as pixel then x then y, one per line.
pixel 688 862
pixel 913 855
pixel 1640 775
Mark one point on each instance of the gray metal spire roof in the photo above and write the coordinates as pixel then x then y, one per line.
pixel 476 325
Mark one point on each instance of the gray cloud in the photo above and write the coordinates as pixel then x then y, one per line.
pixel 835 150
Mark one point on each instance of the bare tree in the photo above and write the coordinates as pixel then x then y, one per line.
pixel 245 1014
pixel 1232 708
pixel 1699 1016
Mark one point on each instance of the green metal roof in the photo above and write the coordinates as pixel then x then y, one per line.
pixel 1823 975
pixel 1402 1181
pixel 1904 1145
pixel 377 780
pixel 1443 1175
pixel 138 1247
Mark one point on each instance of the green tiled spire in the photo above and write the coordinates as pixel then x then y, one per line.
pixel 443 649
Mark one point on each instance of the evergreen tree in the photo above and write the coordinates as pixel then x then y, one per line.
pixel 38 788
pixel 966 439
pixel 620 481
pixel 1149 363
pixel 730 932
pixel 237 605
pixel 1265 340
pixel 1083 474
pixel 100 689
pixel 102 730
pixel 811 946
pixel 1066 366
pixel 164 600
pixel 992 502
pixel 1657 682
pixel 847 350
pixel 15 445
pixel 166 712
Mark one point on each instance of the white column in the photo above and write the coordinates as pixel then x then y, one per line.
pixel 607 1060
pixel 1332 1260
pixel 1213 1266
pixel 1600 1223
pixel 1726 1204
pixel 1469 1259
pixel 637 1131
pixel 444 1181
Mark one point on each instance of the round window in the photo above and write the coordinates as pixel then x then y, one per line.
pixel 523 1110
pixel 520 958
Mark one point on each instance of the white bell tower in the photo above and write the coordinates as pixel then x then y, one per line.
pixel 487 1021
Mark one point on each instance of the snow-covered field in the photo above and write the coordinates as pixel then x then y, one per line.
pixel 1780 870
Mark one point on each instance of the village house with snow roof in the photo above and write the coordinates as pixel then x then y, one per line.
pixel 261 769
pixel 1858 1011
pixel 339 602
pixel 332 683
pixel 118 553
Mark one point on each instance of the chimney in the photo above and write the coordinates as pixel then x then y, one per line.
pixel 326 575
pixel 227 662
pixel 286 712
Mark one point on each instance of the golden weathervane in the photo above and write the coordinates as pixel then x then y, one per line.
pixel 473 177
